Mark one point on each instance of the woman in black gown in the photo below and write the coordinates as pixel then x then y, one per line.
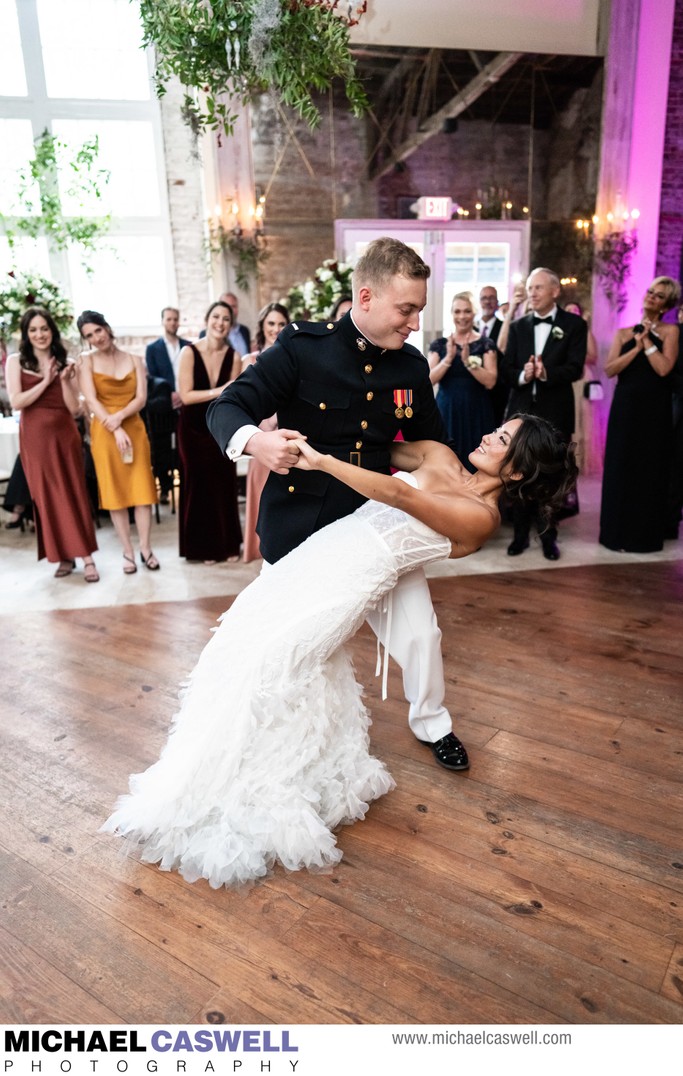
pixel 638 446
pixel 209 525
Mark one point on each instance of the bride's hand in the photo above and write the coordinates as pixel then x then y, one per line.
pixel 309 458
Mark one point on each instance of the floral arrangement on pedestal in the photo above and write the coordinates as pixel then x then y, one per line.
pixel 225 51
pixel 19 291
pixel 315 298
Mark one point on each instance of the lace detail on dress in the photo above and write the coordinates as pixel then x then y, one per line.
pixel 413 544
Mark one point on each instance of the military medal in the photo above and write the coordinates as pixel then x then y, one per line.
pixel 403 398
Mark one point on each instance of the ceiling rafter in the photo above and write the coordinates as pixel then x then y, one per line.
pixel 481 82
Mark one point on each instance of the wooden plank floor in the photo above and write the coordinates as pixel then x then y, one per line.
pixel 544 886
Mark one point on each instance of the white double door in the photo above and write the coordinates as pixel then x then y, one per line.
pixel 462 256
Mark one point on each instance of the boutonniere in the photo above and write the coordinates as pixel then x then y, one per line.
pixel 557 332
pixel 474 361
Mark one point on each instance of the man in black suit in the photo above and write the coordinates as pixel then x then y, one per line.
pixel 161 359
pixel 545 353
pixel 487 322
pixel 349 386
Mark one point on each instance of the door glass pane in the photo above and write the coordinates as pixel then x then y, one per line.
pixel 91 49
pixel 12 74
pixel 469 267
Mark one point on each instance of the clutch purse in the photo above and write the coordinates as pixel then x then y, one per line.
pixel 593 390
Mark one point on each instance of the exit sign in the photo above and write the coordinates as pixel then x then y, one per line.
pixel 434 208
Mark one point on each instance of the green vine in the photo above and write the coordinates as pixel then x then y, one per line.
pixel 247 252
pixel 53 162
pixel 612 263
pixel 225 51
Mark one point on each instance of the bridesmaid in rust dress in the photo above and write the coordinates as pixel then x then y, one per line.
pixel 41 384
pixel 209 524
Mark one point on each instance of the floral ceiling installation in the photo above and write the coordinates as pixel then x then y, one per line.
pixel 224 51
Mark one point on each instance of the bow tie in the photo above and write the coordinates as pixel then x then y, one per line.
pixel 543 321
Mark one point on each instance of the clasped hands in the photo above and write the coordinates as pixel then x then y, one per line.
pixel 534 370
pixel 280 450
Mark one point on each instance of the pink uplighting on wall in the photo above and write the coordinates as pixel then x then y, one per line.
pixel 650 93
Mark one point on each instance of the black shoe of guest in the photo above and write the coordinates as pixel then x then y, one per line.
pixel 517 546
pixel 551 551
pixel 449 752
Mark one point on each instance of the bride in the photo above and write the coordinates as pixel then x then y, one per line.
pixel 269 752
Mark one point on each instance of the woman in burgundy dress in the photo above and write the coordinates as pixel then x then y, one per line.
pixel 42 385
pixel 209 526
pixel 271 321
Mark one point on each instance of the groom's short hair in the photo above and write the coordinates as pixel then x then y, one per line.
pixel 386 258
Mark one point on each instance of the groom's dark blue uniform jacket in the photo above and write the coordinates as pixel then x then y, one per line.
pixel 330 383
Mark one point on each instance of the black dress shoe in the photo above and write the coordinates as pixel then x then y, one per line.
pixel 550 551
pixel 449 752
pixel 517 546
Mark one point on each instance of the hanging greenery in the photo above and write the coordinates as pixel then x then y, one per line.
pixel 224 51
pixel 55 168
pixel 612 263
pixel 247 252
pixel 18 291
pixel 315 298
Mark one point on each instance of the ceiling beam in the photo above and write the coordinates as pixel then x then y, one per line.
pixel 462 100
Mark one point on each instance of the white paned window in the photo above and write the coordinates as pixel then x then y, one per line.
pixel 129 282
pixel 12 74
pixel 26 256
pixel 16 139
pixel 91 50
pixel 126 149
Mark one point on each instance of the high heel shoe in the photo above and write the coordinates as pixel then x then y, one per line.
pixel 14 523
pixel 65 568
pixel 150 561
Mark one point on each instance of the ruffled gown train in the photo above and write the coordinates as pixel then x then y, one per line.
pixel 269 752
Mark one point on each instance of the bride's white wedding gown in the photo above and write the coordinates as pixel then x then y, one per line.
pixel 269 752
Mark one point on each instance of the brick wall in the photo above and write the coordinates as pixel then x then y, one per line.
pixel 187 213
pixel 313 177
pixel 670 244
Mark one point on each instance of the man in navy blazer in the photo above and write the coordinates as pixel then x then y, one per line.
pixel 161 358
pixel 545 353
pixel 162 355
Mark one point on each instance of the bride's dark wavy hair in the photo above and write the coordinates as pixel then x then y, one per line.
pixel 546 463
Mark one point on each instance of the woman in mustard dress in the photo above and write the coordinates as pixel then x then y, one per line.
pixel 114 384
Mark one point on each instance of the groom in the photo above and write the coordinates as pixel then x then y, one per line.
pixel 349 387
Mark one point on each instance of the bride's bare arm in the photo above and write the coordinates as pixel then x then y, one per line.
pixel 465 521
pixel 409 455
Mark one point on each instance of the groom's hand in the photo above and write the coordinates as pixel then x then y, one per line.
pixel 276 449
